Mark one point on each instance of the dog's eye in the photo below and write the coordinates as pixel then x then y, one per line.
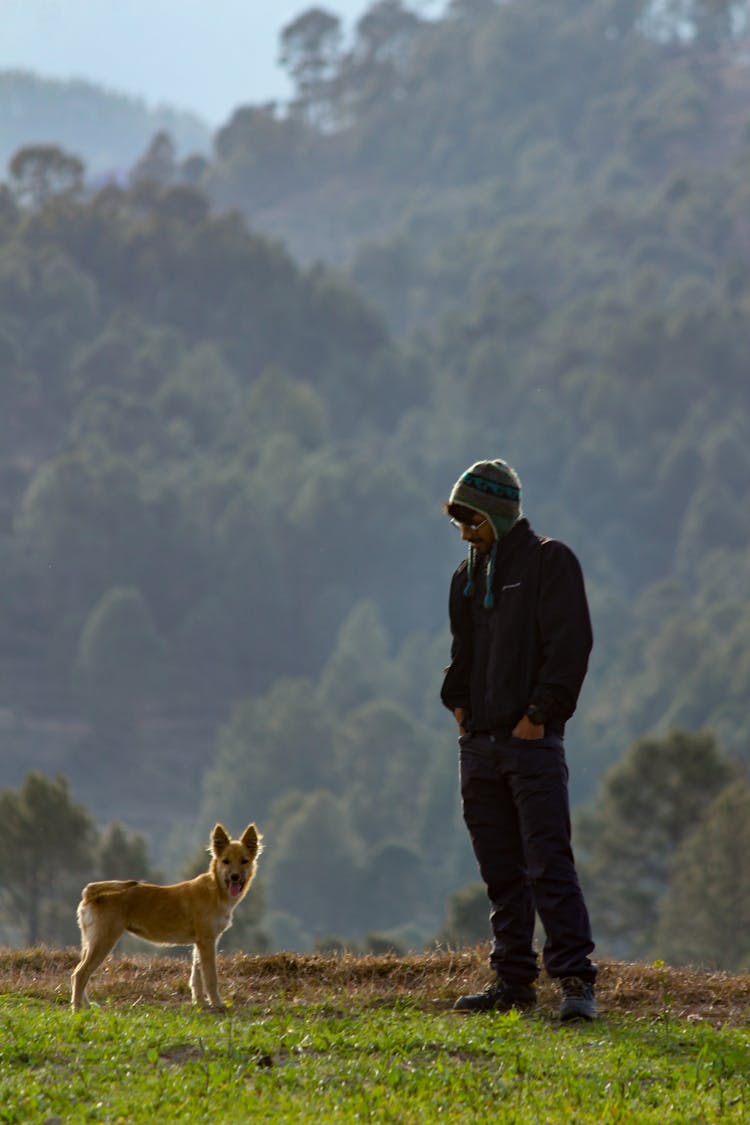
pixel 225 861
pixel 245 861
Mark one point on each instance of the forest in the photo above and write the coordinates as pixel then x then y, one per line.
pixel 236 387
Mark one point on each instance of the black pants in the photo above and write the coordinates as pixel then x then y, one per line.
pixel 515 804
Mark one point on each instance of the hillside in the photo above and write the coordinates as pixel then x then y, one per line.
pixel 222 460
pixel 430 981
pixel 435 157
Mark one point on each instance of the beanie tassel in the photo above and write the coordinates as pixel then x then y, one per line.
pixel 489 599
pixel 469 587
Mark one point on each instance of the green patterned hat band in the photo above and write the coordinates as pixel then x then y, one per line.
pixel 492 488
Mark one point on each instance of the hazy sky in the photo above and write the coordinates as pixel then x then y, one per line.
pixel 205 55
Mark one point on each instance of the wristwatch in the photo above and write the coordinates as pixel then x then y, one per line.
pixel 535 715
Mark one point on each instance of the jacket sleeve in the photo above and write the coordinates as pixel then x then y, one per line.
pixel 565 633
pixel 456 689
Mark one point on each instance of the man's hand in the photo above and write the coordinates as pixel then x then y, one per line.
pixel 460 713
pixel 527 730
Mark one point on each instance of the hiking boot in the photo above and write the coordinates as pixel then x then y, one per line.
pixel 500 996
pixel 578 1002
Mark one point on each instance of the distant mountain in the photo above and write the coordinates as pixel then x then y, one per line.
pixel 108 130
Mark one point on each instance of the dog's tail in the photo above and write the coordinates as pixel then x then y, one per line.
pixel 93 891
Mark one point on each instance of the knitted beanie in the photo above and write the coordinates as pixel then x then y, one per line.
pixel 494 489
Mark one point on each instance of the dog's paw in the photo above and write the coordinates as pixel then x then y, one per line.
pixel 218 1009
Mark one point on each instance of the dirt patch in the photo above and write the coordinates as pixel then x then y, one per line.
pixel 430 980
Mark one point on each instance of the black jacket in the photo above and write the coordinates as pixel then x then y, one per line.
pixel 532 646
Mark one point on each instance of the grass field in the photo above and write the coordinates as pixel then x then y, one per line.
pixel 364 1039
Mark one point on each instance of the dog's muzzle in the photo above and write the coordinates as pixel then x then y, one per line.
pixel 236 883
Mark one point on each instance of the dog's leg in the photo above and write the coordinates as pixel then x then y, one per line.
pixel 78 997
pixel 98 938
pixel 197 987
pixel 92 958
pixel 206 950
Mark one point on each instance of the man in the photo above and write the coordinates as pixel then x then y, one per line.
pixel 521 642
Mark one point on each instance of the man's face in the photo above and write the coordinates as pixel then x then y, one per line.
pixel 479 531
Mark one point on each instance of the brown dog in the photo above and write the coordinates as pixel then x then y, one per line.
pixel 196 912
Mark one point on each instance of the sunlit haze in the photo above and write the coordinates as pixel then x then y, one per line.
pixel 203 57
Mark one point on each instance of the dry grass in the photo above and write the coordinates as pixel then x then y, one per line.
pixel 431 980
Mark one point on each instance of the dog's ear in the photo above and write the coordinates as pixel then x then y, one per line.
pixel 252 839
pixel 219 839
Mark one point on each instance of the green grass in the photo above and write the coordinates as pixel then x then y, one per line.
pixel 332 1061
